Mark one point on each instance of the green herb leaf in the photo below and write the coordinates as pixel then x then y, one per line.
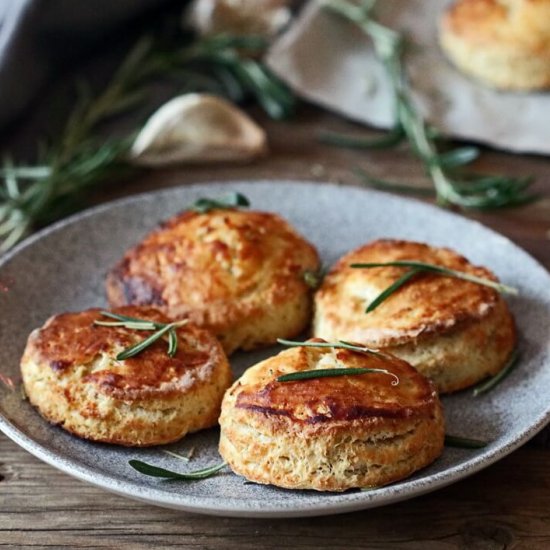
pixel 464 442
pixel 341 344
pixel 172 342
pixel 440 270
pixel 489 384
pixel 156 471
pixel 385 294
pixel 391 139
pixel 232 200
pixel 324 373
pixel 144 344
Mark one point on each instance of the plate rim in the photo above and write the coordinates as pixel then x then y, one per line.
pixel 227 507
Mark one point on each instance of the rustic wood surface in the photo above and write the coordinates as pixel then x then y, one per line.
pixel 505 506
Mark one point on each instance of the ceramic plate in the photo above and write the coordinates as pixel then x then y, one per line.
pixel 63 268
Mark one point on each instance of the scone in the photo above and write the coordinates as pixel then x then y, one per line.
pixel 237 273
pixel 503 43
pixel 334 433
pixel 453 331
pixel 71 374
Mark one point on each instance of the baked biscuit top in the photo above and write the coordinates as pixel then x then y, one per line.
pixel 70 344
pixel 427 303
pixel 513 23
pixel 332 399
pixel 222 258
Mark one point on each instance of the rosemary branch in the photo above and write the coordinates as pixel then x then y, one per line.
pixel 416 268
pixel 323 373
pixel 35 195
pixel 451 187
pixel 134 323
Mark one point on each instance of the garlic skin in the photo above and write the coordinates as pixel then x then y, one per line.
pixel 198 128
pixel 260 17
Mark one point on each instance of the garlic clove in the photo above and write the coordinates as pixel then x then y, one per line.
pixel 195 128
pixel 263 17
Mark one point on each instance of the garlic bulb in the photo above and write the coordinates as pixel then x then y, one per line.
pixel 195 128
pixel 263 17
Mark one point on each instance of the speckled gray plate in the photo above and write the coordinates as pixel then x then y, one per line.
pixel 63 267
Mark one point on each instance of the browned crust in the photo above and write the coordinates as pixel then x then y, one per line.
pixel 218 269
pixel 70 340
pixel 428 304
pixel 341 398
pixel 518 25
pixel 330 434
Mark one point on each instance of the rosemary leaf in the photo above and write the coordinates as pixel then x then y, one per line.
pixel 489 384
pixel 444 271
pixel 324 373
pixel 385 294
pixel 172 342
pixel 156 471
pixel 341 344
pixel 392 138
pixel 232 200
pixel 464 442
pixel 144 325
pixel 144 344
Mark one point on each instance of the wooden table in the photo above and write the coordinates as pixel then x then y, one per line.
pixel 505 506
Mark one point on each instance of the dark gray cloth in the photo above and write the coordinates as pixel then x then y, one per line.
pixel 37 37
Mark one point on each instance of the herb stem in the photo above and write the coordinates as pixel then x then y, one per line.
pixel 156 471
pixel 490 383
pixel 464 442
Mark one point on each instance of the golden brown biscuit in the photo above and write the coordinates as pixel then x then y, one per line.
pixel 503 43
pixel 330 434
pixel 71 375
pixel 453 331
pixel 240 274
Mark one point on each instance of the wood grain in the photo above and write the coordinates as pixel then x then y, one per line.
pixel 505 506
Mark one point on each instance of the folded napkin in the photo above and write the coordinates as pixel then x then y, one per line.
pixel 39 36
pixel 328 61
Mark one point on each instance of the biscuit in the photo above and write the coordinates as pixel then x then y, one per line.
pixel 237 273
pixel 503 43
pixel 70 373
pixel 330 434
pixel 453 331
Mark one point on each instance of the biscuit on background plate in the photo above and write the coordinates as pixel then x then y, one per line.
pixel 453 331
pixel 330 434
pixel 71 374
pixel 237 273
pixel 502 43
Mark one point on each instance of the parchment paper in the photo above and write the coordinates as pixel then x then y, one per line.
pixel 330 62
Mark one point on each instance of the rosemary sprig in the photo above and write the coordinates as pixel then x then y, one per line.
pixel 134 323
pixel 35 195
pixel 451 186
pixel 489 384
pixel 420 267
pixel 325 373
pixel 231 200
pixel 156 471
pixel 321 373
pixel 341 344
pixel 464 442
